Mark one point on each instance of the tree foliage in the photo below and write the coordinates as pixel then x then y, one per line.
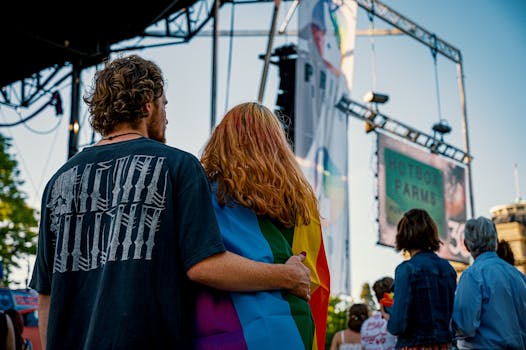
pixel 367 297
pixel 337 317
pixel 338 314
pixel 18 223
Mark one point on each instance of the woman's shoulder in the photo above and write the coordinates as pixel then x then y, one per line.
pixel 406 265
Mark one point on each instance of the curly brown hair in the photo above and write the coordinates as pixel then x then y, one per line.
pixel 249 157
pixel 358 313
pixel 416 230
pixel 120 91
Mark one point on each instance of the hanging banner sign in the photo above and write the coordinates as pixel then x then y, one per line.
pixel 324 66
pixel 411 177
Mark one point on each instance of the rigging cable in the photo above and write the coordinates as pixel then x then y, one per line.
pixel 52 101
pixel 47 162
pixel 38 132
pixel 434 51
pixel 230 50
pixel 370 14
pixel 57 102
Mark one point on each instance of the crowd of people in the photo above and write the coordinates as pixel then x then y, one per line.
pixel 430 311
pixel 145 246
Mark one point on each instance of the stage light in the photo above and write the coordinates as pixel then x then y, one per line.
pixel 56 101
pixel 369 127
pixel 374 97
pixel 442 127
pixel 369 122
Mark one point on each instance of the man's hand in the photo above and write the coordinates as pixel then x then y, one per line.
pixel 299 275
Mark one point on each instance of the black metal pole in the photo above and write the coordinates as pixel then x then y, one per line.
pixel 73 146
pixel 213 98
pixel 466 134
pixel 271 35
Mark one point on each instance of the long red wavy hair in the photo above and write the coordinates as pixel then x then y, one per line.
pixel 253 164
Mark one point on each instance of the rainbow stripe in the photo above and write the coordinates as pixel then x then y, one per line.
pixel 265 320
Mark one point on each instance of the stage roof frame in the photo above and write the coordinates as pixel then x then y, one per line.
pixel 44 41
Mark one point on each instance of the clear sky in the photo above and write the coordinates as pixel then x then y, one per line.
pixel 489 33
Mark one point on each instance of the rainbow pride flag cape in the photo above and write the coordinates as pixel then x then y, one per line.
pixel 265 320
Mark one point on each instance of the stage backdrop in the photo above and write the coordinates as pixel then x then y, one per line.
pixel 413 177
pixel 327 31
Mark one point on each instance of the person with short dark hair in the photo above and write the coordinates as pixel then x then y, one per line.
pixel 127 228
pixel 381 286
pixel 350 338
pixel 490 301
pixel 424 287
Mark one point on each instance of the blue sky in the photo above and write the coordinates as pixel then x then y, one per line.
pixel 489 33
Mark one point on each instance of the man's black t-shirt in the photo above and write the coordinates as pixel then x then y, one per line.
pixel 120 226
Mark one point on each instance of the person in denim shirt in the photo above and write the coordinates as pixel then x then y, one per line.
pixel 490 302
pixel 424 287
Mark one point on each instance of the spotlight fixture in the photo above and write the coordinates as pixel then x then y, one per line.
pixel 56 101
pixel 374 97
pixel 369 122
pixel 369 126
pixel 442 127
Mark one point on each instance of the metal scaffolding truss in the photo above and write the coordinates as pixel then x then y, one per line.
pixel 176 28
pixel 376 120
pixel 182 25
pixel 25 92
pixel 436 45
pixel 426 37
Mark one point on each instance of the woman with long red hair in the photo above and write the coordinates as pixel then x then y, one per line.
pixel 267 211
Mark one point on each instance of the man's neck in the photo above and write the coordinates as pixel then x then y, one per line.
pixel 124 132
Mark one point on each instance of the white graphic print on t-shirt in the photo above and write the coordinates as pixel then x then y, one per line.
pixel 93 208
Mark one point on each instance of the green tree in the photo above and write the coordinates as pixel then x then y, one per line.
pixel 367 297
pixel 18 223
pixel 336 317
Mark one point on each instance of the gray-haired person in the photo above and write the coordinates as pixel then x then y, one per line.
pixel 490 301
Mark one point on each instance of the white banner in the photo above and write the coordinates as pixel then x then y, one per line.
pixel 327 31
